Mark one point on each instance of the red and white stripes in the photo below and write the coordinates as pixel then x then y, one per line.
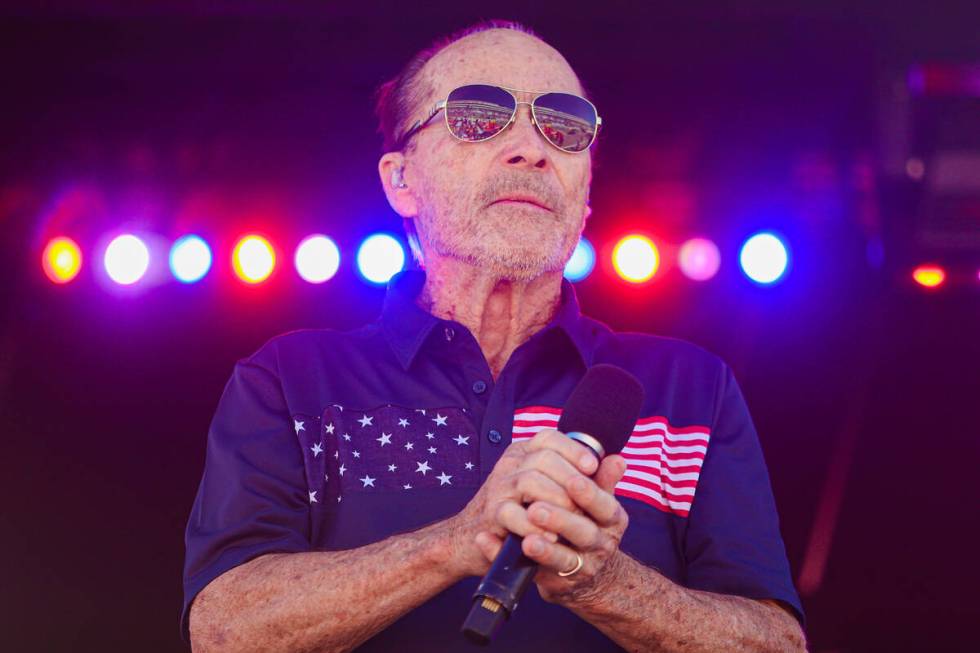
pixel 663 462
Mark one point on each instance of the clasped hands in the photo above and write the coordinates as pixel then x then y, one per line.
pixel 541 490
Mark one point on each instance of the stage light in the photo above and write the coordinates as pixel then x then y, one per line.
pixel 126 259
pixel 636 258
pixel 253 259
pixel 317 259
pixel 764 258
pixel 190 259
pixel 582 262
pixel 699 259
pixel 379 258
pixel 929 276
pixel 61 260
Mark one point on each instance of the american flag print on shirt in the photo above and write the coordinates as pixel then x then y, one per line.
pixel 663 462
pixel 387 449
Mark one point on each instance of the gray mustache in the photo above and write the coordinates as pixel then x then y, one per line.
pixel 503 185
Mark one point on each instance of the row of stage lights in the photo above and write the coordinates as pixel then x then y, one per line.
pixel 764 258
pixel 635 258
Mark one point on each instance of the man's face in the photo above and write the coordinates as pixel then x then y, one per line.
pixel 513 205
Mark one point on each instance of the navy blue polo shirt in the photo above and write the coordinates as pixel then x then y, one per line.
pixel 327 440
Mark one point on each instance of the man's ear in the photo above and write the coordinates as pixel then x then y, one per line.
pixel 391 170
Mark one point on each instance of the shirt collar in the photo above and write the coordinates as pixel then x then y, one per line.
pixel 407 326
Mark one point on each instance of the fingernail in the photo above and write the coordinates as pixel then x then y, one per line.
pixel 536 547
pixel 541 514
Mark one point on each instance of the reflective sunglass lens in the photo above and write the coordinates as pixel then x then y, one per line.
pixel 477 112
pixel 566 120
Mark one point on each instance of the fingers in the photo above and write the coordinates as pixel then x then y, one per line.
pixel 489 545
pixel 611 471
pixel 514 518
pixel 553 556
pixel 573 452
pixel 596 502
pixel 580 531
pixel 533 485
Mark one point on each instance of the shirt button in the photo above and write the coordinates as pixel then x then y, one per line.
pixel 479 387
pixel 449 333
pixel 494 436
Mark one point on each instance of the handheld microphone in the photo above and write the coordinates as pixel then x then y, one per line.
pixel 600 415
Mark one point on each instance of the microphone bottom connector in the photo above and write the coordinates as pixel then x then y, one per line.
pixel 484 620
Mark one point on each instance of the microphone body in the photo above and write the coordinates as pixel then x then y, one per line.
pixel 512 571
pixel 599 415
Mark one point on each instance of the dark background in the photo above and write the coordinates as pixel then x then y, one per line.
pixel 721 119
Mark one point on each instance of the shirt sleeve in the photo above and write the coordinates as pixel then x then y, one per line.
pixel 252 498
pixel 733 544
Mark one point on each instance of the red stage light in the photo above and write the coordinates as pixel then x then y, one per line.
pixel 636 258
pixel 929 276
pixel 253 259
pixel 61 260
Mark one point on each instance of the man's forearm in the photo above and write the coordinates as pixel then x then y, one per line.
pixel 321 600
pixel 644 611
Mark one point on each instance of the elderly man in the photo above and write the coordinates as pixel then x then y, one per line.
pixel 358 484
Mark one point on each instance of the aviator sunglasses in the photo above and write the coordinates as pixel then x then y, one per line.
pixel 478 112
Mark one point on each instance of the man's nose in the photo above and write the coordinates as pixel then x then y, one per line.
pixel 525 146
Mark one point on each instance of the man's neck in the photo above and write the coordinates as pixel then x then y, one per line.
pixel 501 313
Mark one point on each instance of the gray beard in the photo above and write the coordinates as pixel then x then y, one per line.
pixel 464 239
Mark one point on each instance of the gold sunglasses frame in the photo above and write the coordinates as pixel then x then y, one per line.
pixel 419 125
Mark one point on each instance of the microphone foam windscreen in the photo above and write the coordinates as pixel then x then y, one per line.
pixel 605 404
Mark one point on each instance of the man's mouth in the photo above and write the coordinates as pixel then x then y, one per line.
pixel 525 200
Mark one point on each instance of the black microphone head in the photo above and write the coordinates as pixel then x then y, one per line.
pixel 605 404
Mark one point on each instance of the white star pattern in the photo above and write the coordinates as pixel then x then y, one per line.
pixel 368 464
pixel 298 426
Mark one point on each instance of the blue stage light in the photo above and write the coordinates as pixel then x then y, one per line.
pixel 380 257
pixel 190 259
pixel 582 262
pixel 764 258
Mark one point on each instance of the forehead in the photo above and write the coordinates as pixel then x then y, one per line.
pixel 499 56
